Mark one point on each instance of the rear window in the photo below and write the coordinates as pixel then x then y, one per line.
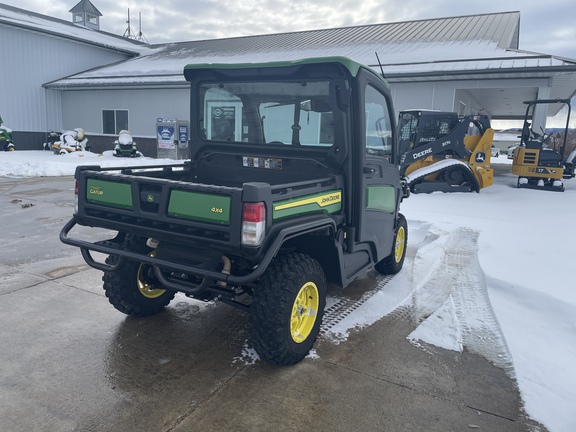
pixel 287 113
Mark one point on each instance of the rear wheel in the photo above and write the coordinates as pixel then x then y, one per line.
pixel 133 289
pixel 287 309
pixel 393 263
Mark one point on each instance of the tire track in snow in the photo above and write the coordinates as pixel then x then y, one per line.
pixel 454 288
pixel 335 313
pixel 346 314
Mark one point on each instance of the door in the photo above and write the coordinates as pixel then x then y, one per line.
pixel 379 185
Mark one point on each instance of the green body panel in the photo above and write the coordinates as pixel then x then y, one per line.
pixel 327 202
pixel 200 207
pixel 381 198
pixel 113 194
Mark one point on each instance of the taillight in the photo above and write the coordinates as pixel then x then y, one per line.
pixel 76 197
pixel 253 223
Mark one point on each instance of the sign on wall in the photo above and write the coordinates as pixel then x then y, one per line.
pixel 166 135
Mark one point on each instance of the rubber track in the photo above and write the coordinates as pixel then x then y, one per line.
pixel 468 172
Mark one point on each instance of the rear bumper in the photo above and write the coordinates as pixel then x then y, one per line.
pixel 113 247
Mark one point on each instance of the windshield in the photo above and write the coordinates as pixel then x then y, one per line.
pixel 279 112
pixel 407 130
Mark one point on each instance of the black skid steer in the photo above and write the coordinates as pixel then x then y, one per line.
pixel 441 152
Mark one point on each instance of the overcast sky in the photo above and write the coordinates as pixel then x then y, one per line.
pixel 545 26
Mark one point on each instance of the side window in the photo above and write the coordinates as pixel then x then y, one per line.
pixel 378 124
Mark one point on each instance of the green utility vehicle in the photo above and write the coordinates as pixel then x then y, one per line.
pixel 293 182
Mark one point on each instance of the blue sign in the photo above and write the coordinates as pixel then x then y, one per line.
pixel 165 136
pixel 183 134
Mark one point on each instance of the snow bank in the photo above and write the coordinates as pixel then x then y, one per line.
pixel 47 164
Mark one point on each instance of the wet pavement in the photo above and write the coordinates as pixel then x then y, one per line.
pixel 70 362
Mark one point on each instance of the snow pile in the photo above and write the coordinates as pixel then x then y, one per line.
pixel 47 164
pixel 453 295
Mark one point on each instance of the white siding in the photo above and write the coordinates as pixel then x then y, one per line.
pixel 31 59
pixel 450 95
pixel 83 108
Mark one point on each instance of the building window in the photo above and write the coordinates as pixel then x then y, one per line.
pixel 113 121
pixel 92 19
pixel 78 17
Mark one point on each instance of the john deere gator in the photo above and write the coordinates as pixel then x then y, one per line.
pixel 292 183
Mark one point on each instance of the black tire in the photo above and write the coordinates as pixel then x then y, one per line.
pixel 282 332
pixel 393 263
pixel 133 289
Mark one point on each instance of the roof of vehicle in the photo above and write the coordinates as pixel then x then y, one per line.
pixel 351 65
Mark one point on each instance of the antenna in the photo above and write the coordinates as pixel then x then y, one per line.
pixel 380 64
pixel 140 36
pixel 128 32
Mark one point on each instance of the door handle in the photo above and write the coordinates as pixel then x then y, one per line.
pixel 368 170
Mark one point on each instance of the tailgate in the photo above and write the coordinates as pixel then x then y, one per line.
pixel 165 209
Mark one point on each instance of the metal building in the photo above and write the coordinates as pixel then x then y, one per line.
pixel 36 49
pixel 466 64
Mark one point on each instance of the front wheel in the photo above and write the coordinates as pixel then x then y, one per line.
pixel 287 309
pixel 133 289
pixel 393 263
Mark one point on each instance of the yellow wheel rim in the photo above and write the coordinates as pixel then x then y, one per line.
pixel 304 312
pixel 400 244
pixel 11 149
pixel 146 289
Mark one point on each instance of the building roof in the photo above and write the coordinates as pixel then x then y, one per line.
pixel 420 50
pixel 20 18
pixel 85 6
pixel 471 47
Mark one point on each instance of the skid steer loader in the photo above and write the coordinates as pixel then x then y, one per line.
pixel 539 159
pixel 441 152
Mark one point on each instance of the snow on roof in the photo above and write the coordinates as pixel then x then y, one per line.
pixel 400 61
pixel 16 17
pixel 462 45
